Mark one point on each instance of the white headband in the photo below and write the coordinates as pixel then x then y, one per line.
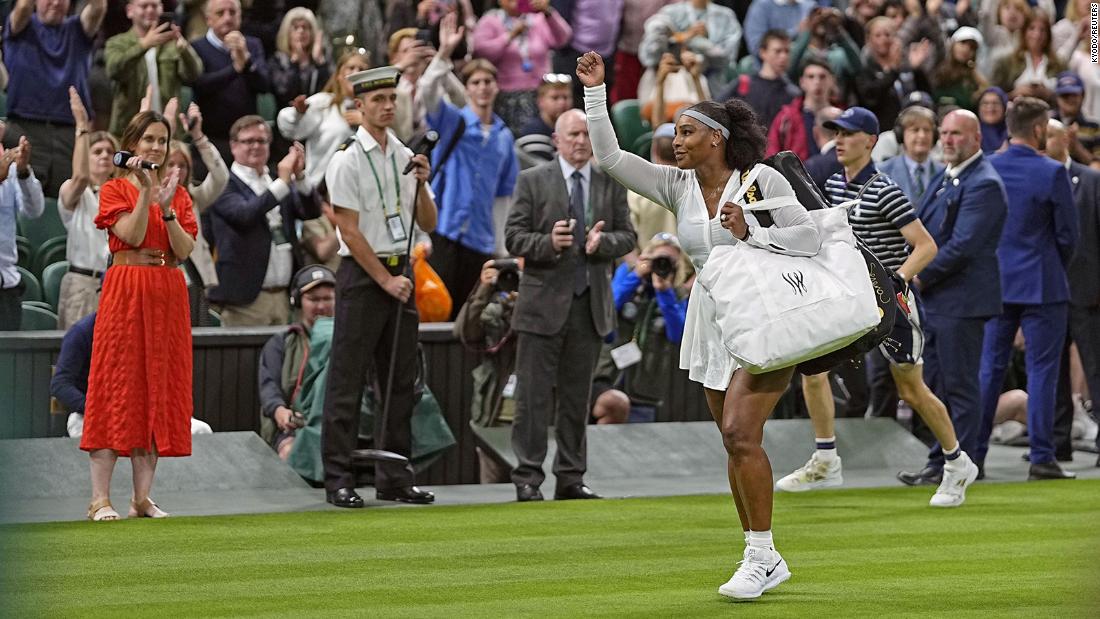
pixel 708 121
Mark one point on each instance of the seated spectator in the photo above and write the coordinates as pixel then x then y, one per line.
pixel 78 204
pixel 48 50
pixel 1032 69
pixel 649 218
pixel 199 266
pixel 825 163
pixel 651 314
pixel 299 66
pixel 254 227
pixel 69 384
pixel 768 90
pixel 234 72
pixel 890 71
pixel 889 141
pixel 1084 133
pixel 150 53
pixel 324 120
pixel 677 83
pixel 475 184
pixel 283 358
pixel 766 15
pixel 700 26
pixel 992 107
pixel 823 38
pixel 518 45
pixel 555 95
pixel 957 79
pixel 627 66
pixel 1003 29
pixel 411 56
pixel 793 126
pixel 20 194
pixel 914 169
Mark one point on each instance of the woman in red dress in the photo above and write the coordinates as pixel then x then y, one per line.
pixel 139 386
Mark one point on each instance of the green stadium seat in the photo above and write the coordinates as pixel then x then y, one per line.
pixel 215 318
pixel 641 145
pixel 51 283
pixel 267 107
pixel 53 250
pixel 26 252
pixel 41 304
pixel 32 289
pixel 38 319
pixel 45 227
pixel 626 116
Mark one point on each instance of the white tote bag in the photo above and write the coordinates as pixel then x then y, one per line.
pixel 775 310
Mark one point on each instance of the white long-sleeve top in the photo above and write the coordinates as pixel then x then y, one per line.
pixel 321 130
pixel 678 190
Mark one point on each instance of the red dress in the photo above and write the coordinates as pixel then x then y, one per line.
pixel 139 385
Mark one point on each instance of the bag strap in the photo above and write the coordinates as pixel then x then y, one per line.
pixel 856 201
pixel 750 191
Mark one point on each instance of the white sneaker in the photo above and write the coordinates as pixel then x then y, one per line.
pixel 760 570
pixel 815 474
pixel 956 478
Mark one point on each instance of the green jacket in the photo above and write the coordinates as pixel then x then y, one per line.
pixel 129 78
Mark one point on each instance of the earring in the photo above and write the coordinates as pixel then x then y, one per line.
pixel 714 144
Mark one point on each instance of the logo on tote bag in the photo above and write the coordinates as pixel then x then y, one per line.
pixel 796 280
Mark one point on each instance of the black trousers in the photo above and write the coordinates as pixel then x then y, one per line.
pixel 558 365
pixel 11 308
pixel 459 267
pixel 1084 330
pixel 364 332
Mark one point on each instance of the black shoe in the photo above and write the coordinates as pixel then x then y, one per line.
pixel 527 492
pixel 981 472
pixel 927 476
pixel 345 497
pixel 1098 461
pixel 575 491
pixel 408 494
pixel 1048 470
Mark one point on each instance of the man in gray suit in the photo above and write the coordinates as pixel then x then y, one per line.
pixel 569 222
pixel 914 168
pixel 1084 283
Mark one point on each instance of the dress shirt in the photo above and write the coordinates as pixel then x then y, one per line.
pixel 17 197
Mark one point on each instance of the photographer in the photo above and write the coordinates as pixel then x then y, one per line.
pixel 822 37
pixel 283 357
pixel 484 324
pixel 651 311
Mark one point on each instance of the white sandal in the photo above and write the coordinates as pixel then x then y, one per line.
pixel 146 508
pixel 101 510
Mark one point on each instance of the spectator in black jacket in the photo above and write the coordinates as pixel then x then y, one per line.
pixel 234 72
pixel 284 355
pixel 890 71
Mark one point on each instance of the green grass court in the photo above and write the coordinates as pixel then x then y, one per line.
pixel 1026 550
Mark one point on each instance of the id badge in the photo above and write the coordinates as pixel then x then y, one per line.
pixel 509 391
pixel 396 228
pixel 626 355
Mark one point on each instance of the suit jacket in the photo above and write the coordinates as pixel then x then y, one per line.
pixel 237 223
pixel 1041 231
pixel 1084 269
pixel 223 94
pixel 546 289
pixel 895 168
pixel 966 220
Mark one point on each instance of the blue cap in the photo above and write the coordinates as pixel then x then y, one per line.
pixel 667 130
pixel 854 119
pixel 1069 83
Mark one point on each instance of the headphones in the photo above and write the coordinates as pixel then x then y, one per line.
pixel 910 114
pixel 296 288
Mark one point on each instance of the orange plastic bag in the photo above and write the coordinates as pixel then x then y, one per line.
pixel 432 299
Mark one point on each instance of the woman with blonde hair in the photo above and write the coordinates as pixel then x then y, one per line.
pixel 324 120
pixel 300 66
pixel 139 386
pixel 78 204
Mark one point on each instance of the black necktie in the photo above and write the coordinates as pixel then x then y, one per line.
pixel 576 210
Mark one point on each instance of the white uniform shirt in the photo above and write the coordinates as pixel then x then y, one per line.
pixel 86 245
pixel 353 184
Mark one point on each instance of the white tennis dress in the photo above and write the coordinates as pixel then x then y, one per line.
pixel 701 351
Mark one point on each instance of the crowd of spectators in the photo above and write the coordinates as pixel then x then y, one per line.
pixel 259 100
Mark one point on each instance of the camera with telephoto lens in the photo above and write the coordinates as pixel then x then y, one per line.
pixel 507 274
pixel 663 266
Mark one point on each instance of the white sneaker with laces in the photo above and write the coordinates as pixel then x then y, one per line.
pixel 813 475
pixel 760 570
pixel 956 478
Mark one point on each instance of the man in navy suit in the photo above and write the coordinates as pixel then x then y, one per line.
pixel 1084 283
pixel 234 72
pixel 964 209
pixel 1039 239
pixel 253 224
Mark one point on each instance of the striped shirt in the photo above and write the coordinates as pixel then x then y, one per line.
pixel 878 218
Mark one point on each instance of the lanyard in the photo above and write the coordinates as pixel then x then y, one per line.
pixel 378 183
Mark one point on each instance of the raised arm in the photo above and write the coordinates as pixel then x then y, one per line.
pixel 73 188
pixel 20 16
pixel 91 18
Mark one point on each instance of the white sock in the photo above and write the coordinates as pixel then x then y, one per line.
pixel 826 449
pixel 761 539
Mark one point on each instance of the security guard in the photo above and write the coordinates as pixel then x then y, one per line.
pixel 373 204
